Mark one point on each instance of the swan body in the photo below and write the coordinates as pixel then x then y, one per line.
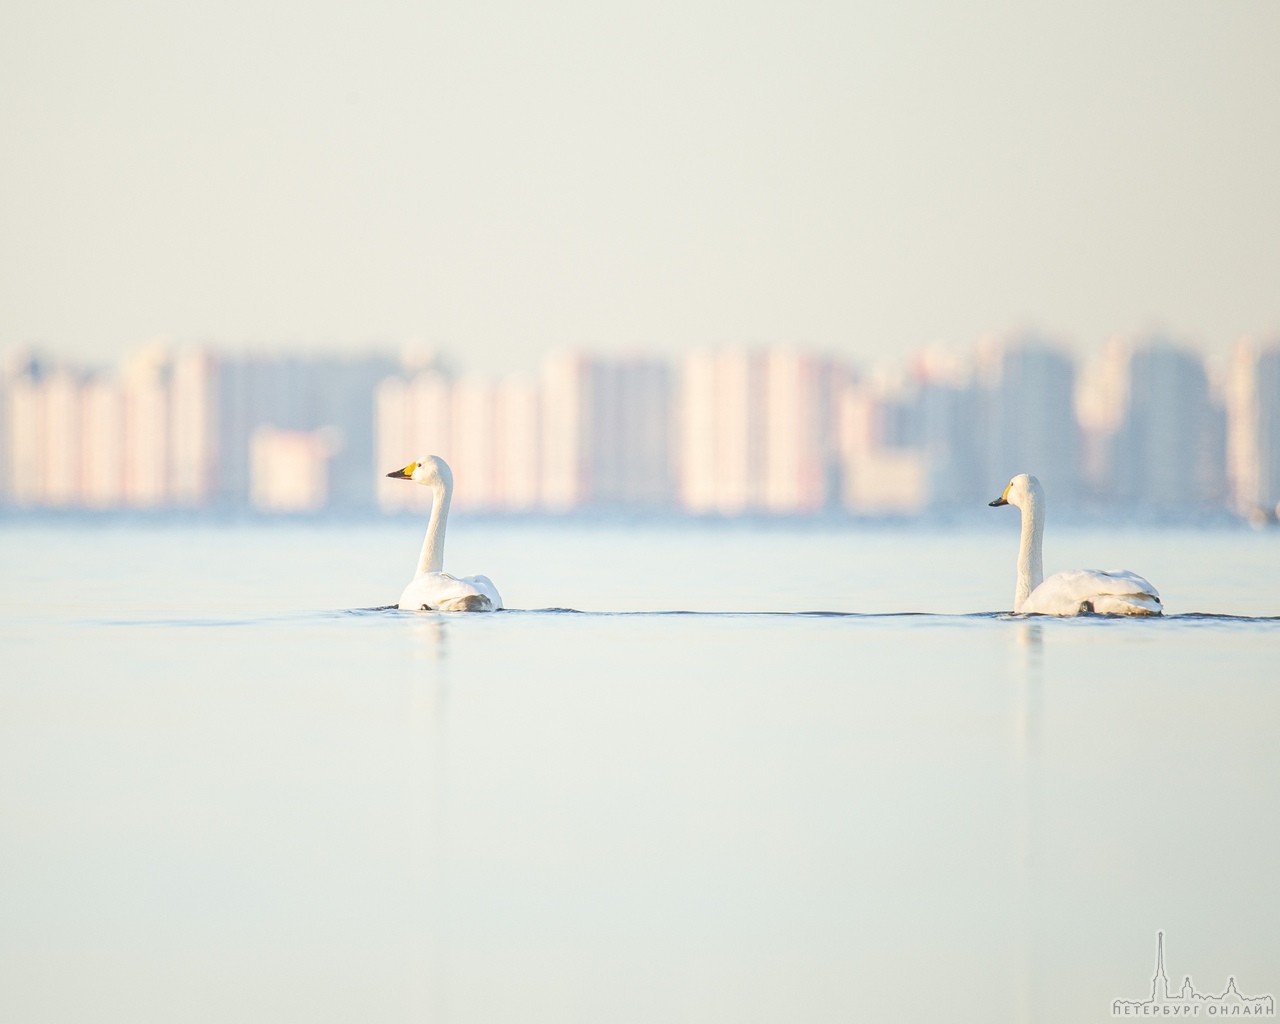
pixel 432 589
pixel 440 592
pixel 1085 591
pixel 1075 591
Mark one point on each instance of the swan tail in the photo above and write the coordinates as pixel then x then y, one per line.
pixel 466 603
pixel 1125 604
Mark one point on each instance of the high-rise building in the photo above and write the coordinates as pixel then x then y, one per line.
pixel 696 456
pixel 518 445
pixel 801 468
pixel 26 454
pixel 1253 438
pixel 883 470
pixel 148 437
pixel 429 430
pixel 1102 395
pixel 739 431
pixel 344 405
pixel 629 434
pixel 193 423
pixel 472 453
pixel 391 441
pixel 606 432
pixel 720 431
pixel 63 457
pixel 1168 452
pixel 102 442
pixel 564 471
pixel 1026 403
pixel 5 427
pixel 941 417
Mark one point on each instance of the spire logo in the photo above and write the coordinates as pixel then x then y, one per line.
pixel 1230 1004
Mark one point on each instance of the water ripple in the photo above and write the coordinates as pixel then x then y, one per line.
pixel 382 612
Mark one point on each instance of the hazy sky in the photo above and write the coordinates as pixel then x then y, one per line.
pixel 502 177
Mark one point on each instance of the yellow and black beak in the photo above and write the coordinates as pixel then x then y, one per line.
pixel 403 474
pixel 994 504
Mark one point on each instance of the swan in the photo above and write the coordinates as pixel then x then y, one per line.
pixel 1075 591
pixel 432 589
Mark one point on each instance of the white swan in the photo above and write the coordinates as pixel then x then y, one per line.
pixel 1074 591
pixel 432 589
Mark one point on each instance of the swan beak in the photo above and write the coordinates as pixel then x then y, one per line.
pixel 993 504
pixel 403 474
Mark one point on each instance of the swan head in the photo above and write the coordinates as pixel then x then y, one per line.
pixel 431 471
pixel 1022 491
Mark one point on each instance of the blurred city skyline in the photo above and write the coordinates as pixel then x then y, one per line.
pixel 1149 425
pixel 502 179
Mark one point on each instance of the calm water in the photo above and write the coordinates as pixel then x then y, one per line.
pixel 232 787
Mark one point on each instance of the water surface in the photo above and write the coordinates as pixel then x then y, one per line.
pixel 739 773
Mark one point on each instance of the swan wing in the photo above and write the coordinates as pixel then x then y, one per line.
pixel 438 591
pixel 1110 592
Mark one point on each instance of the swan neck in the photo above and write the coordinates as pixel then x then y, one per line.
pixel 1030 560
pixel 432 557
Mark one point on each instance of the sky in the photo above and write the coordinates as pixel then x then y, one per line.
pixel 500 178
